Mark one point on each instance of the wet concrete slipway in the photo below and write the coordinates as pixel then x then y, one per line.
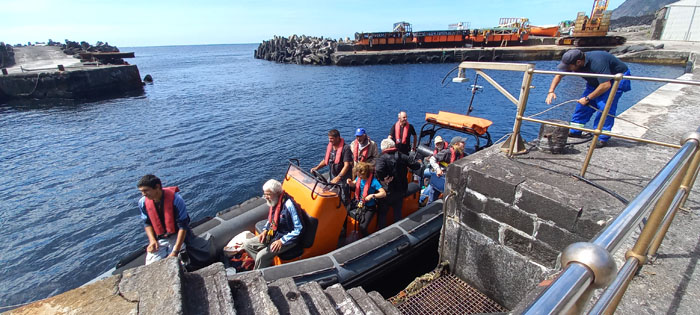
pixel 506 225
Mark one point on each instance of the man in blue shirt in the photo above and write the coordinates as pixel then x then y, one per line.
pixel 164 217
pixel 597 89
pixel 282 230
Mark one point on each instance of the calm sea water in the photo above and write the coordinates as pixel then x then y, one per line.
pixel 217 123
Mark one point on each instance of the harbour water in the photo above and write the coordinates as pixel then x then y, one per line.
pixel 217 123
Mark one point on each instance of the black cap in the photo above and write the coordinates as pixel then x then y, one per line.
pixel 569 58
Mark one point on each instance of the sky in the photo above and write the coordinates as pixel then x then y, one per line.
pixel 130 23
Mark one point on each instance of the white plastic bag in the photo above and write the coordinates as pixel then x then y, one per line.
pixel 235 245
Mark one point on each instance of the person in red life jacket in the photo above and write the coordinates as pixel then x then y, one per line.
pixel 447 156
pixel 367 190
pixel 363 148
pixel 401 132
pixel 440 161
pixel 165 219
pixel 392 169
pixel 338 158
pixel 440 145
pixel 282 229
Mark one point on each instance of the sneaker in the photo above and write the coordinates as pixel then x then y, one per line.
pixel 601 144
pixel 576 135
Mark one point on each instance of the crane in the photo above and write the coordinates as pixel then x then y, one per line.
pixel 592 30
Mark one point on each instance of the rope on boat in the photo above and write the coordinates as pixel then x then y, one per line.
pixel 610 115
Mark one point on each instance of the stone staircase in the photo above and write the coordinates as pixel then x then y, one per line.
pixel 251 295
pixel 164 287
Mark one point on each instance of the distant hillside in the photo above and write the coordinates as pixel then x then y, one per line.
pixel 639 7
pixel 631 21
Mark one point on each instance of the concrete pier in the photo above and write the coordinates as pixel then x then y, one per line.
pixel 46 72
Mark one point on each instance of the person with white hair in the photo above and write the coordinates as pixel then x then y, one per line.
pixel 392 167
pixel 282 229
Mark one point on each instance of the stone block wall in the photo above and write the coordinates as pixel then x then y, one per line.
pixel 507 222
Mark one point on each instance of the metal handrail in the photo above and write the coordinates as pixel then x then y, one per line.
pixel 528 71
pixel 589 265
pixel 664 184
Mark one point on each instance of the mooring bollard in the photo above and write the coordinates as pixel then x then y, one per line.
pixel 61 68
pixel 553 138
pixel 4 71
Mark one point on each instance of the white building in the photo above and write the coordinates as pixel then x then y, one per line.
pixel 682 21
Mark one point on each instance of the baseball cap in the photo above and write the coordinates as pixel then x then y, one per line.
pixel 360 132
pixel 456 140
pixel 438 139
pixel 570 57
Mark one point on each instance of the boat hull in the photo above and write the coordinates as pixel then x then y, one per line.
pixel 549 31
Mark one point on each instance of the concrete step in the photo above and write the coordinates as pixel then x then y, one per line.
pixel 250 295
pixel 207 284
pixel 316 300
pixel 286 297
pixel 365 303
pixel 383 304
pixel 157 288
pixel 343 302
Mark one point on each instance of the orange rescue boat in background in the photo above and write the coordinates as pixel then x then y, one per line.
pixel 545 30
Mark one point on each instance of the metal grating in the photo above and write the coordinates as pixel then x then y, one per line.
pixel 447 295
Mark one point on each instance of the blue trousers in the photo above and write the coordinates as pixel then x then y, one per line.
pixel 583 113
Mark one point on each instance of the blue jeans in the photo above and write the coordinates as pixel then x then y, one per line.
pixel 583 113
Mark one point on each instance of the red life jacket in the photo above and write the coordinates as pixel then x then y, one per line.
pixel 168 213
pixel 273 215
pixel 365 191
pixel 338 152
pixel 453 155
pixel 365 151
pixel 397 133
pixel 436 150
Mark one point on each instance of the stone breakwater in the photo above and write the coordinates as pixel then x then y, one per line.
pixel 75 48
pixel 301 50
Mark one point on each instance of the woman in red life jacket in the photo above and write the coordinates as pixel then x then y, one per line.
pixel 367 190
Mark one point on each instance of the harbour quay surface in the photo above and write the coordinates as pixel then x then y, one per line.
pixel 45 72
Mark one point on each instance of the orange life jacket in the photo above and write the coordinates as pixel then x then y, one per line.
pixel 168 213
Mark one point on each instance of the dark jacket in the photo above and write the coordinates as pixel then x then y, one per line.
pixel 395 164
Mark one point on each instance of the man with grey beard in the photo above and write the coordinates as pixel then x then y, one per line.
pixel 282 230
